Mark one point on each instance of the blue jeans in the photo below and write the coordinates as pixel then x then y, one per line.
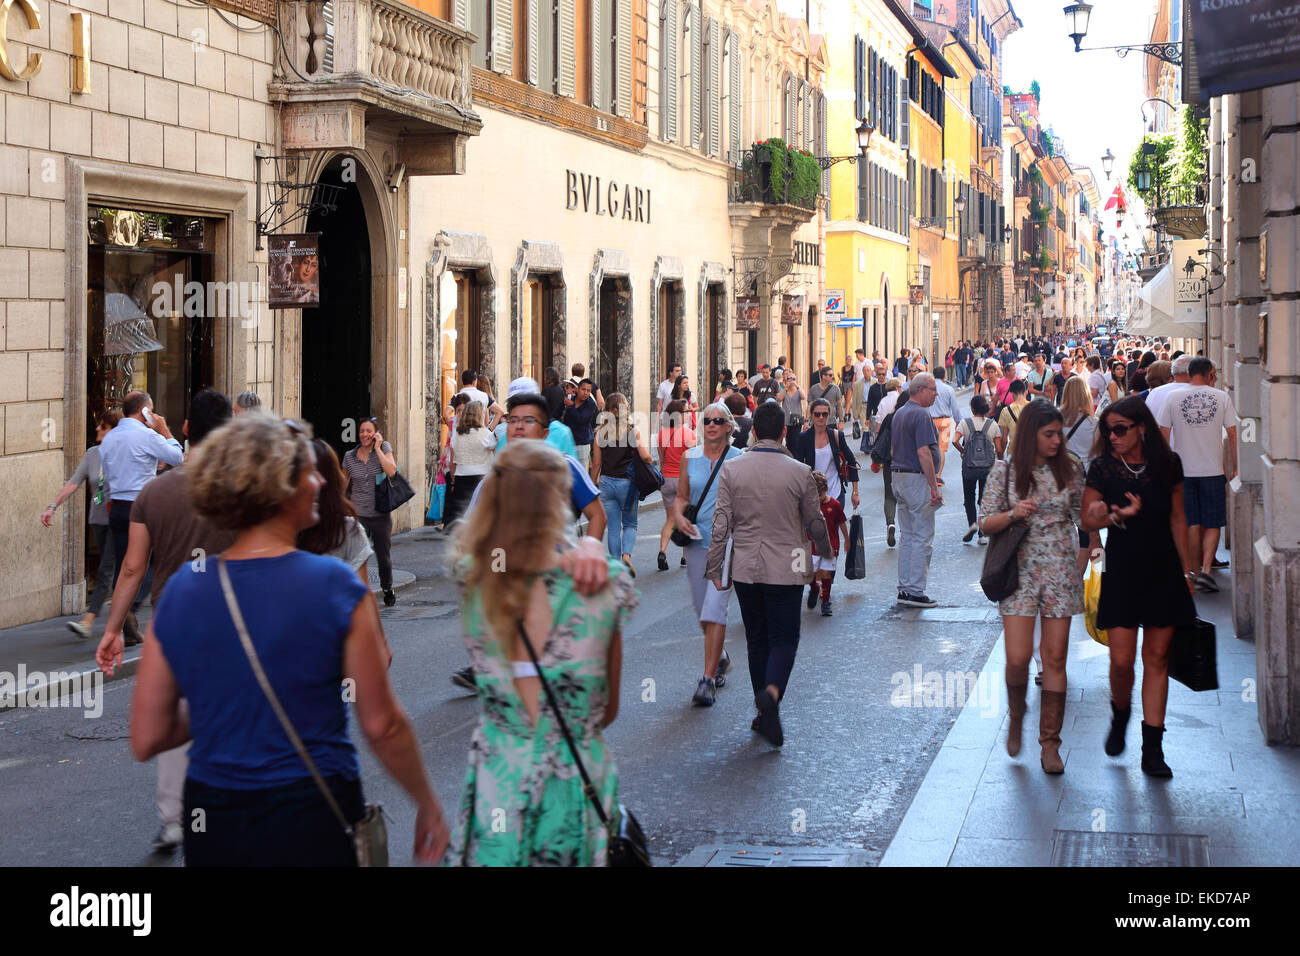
pixel 960 369
pixel 619 499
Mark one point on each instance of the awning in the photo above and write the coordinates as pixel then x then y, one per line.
pixel 1162 315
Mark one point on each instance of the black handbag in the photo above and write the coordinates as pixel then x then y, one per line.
pixel 855 565
pixel 393 492
pixel 857 429
pixel 627 843
pixel 647 478
pixel 1192 658
pixel 691 510
pixel 1001 575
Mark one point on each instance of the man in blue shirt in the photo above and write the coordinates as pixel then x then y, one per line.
pixel 129 456
pixel 943 413
pixel 580 415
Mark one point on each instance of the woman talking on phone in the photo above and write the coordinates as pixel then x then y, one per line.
pixel 363 465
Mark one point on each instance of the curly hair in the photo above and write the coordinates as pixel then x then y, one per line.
pixel 246 470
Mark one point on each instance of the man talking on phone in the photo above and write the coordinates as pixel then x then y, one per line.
pixel 130 461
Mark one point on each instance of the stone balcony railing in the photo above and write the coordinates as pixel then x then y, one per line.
pixel 378 61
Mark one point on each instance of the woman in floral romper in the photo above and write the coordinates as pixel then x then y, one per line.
pixel 1043 487
pixel 523 802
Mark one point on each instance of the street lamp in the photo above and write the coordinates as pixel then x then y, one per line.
pixel 1076 20
pixel 864 131
pixel 1108 163
pixel 1006 233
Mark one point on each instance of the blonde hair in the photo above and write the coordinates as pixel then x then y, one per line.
pixel 512 532
pixel 1076 400
pixel 471 417
pixel 244 472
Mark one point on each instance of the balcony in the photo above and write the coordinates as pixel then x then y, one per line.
pixel 1022 190
pixel 1180 210
pixel 378 65
pixel 792 180
pixel 972 247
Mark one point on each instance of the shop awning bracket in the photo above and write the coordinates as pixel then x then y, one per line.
pixel 288 201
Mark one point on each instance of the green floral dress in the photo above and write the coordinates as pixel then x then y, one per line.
pixel 523 803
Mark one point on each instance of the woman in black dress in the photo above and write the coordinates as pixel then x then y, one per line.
pixel 1135 488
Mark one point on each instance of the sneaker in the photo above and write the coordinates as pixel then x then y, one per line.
pixel 663 561
pixel 389 597
pixel 1206 583
pixel 826 608
pixel 720 672
pixel 465 678
pixel 705 692
pixel 812 595
pixel 984 539
pixel 769 718
pixel 889 536
pixel 683 563
pixel 970 534
pixel 76 627
pixel 1217 565
pixel 918 600
pixel 169 838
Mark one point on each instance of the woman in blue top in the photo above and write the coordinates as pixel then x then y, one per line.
pixel 315 628
pixel 716 429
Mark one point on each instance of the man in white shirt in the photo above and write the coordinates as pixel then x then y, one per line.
pixel 1192 421
pixel 469 387
pixel 1097 379
pixel 1158 396
pixel 665 393
pixel 1023 368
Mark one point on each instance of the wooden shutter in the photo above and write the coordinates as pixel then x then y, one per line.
pixel 623 41
pixel 807 117
pixel 871 88
pixel 460 14
pixel 567 66
pixel 598 43
pixel 501 30
pixel 696 40
pixel 905 105
pixel 858 72
pixel 534 11
pixel 821 142
pixel 670 33
pixel 715 88
pixel 734 115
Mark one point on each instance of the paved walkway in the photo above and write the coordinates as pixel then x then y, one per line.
pixel 979 807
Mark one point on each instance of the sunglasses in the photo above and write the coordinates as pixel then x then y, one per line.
pixel 1120 430
pixel 715 421
pixel 821 414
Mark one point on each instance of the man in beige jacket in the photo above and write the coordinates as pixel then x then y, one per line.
pixel 768 507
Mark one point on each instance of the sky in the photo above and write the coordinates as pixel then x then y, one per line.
pixel 1090 100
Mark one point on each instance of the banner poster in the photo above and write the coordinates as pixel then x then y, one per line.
pixel 746 313
pixel 792 309
pixel 294 270
pixel 1244 45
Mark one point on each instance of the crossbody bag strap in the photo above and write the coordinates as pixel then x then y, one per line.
pixel 587 786
pixel 271 698
pixel 713 474
pixel 1073 428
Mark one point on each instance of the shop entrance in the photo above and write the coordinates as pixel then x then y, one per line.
pixel 715 317
pixel 615 298
pixel 751 352
pixel 672 308
pixel 336 336
pixel 537 329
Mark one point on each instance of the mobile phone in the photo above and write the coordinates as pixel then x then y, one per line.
pixel 148 416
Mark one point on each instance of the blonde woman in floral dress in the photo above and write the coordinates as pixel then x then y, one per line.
pixel 523 803
pixel 1042 486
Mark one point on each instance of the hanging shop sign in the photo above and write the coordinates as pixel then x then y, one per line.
pixel 1245 45
pixel 916 294
pixel 793 308
pixel 294 268
pixel 834 307
pixel 747 313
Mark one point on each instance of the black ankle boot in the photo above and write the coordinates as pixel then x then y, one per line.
pixel 1153 756
pixel 1118 725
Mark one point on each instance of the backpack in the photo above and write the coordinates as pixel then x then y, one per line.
pixel 978 454
pixel 882 451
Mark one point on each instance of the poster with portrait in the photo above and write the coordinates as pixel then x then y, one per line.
pixel 792 309
pixel 747 313
pixel 294 267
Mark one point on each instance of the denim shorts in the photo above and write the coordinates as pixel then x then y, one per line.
pixel 1205 501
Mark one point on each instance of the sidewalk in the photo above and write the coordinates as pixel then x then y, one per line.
pixel 47 648
pixel 1235 797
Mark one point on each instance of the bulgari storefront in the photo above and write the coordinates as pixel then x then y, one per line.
pixel 557 248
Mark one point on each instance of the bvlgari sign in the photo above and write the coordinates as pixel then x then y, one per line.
pixel 605 197
pixel 1245 44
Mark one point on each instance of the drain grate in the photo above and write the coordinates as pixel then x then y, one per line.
pixel 1085 848
pixel 743 855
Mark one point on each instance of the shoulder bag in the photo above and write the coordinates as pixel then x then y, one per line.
pixel 627 842
pixel 391 492
pixel 369 834
pixel 677 537
pixel 647 478
pixel 1001 575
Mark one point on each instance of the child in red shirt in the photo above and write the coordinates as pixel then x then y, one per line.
pixel 825 565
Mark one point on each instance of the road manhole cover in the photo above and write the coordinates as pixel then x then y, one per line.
pixel 742 855
pixel 1085 848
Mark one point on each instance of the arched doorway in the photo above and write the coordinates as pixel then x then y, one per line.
pixel 337 336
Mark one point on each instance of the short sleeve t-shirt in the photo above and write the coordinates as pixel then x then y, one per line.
pixel 355 549
pixel 363 475
pixel 673 443
pixel 581 421
pixel 969 427
pixel 91 473
pixel 765 389
pixel 912 430
pixel 298 609
pixel 1196 416
pixel 177 533
pixel 665 393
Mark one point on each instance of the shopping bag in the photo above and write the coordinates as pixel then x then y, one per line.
pixel 1091 598
pixel 855 565
pixel 437 499
pixel 1192 659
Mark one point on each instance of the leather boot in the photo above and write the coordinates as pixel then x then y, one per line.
pixel 1118 725
pixel 1049 730
pixel 1016 721
pixel 1153 754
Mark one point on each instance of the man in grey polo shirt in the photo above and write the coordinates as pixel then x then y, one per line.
pixel 916 486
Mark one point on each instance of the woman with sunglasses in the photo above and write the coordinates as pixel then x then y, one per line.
pixel 826 449
pixel 1135 488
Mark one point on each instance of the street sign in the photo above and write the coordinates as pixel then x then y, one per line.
pixel 835 307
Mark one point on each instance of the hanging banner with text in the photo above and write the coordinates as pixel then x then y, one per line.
pixel 1245 44
pixel 293 268
pixel 747 313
